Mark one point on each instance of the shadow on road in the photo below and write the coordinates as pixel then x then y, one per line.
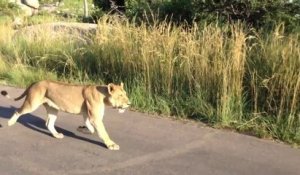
pixel 37 124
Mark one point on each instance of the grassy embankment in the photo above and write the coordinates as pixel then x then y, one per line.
pixel 220 75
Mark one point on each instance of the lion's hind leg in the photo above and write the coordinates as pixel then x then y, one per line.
pixel 50 122
pixel 14 118
pixel 26 108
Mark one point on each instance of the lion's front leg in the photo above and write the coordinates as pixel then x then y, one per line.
pixel 99 125
pixel 95 113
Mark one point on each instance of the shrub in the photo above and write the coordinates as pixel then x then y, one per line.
pixel 259 14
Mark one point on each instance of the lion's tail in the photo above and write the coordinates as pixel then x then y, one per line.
pixel 5 94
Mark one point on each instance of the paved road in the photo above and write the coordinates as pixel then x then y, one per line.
pixel 149 145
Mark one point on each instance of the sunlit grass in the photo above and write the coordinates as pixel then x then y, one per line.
pixel 221 75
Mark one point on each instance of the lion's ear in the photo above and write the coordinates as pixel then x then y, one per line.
pixel 122 85
pixel 110 87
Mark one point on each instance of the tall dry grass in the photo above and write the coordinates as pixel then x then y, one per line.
pixel 205 66
pixel 273 80
pixel 222 75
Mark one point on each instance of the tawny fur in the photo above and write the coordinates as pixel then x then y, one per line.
pixel 88 100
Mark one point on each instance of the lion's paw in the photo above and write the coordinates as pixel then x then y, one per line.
pixel 113 146
pixel 11 122
pixel 58 135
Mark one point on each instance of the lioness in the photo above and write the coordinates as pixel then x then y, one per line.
pixel 87 100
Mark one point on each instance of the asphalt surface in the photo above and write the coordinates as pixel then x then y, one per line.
pixel 149 145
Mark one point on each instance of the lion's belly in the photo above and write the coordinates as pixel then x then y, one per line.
pixel 66 105
pixel 65 98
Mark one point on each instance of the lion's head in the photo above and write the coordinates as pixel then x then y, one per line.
pixel 118 97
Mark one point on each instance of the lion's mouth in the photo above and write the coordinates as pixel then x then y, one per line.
pixel 121 110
